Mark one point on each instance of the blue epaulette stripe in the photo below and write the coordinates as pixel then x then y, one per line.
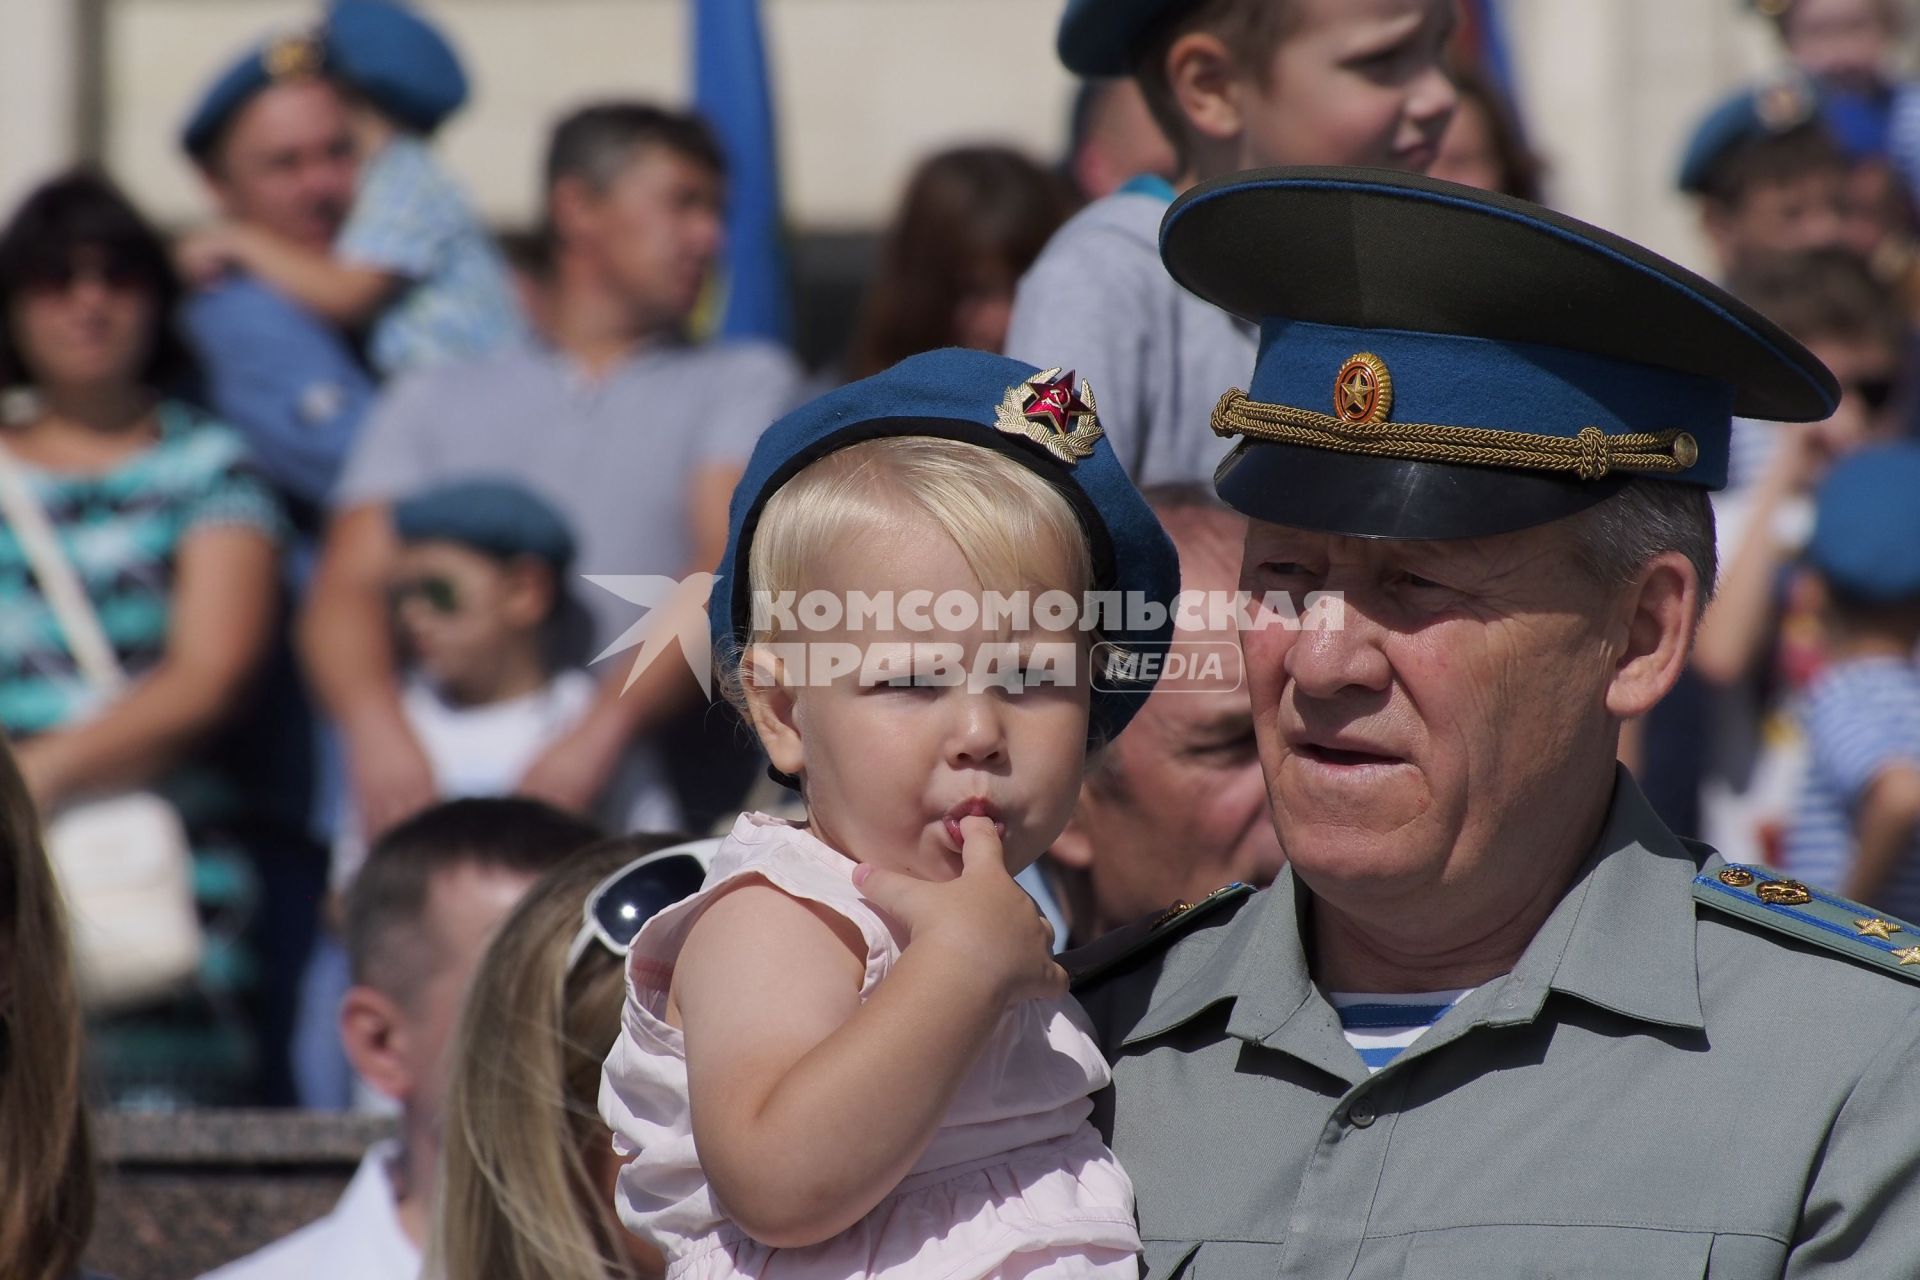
pixel 1712 881
pixel 1378 1058
pixel 1359 1017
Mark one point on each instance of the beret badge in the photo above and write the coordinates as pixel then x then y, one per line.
pixel 1046 409
pixel 297 53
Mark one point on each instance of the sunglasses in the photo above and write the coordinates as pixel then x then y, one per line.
pixel 634 894
pixel 1875 393
pixel 59 277
pixel 438 594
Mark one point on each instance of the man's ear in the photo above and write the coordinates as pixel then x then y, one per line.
pixel 374 1031
pixel 1652 634
pixel 774 709
pixel 1206 82
pixel 570 207
pixel 1073 847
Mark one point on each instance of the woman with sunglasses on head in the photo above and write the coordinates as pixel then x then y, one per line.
pixel 154 517
pixel 527 1189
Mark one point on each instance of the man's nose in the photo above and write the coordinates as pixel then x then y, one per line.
pixel 1324 661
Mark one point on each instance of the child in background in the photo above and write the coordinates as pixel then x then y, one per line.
pixel 1758 643
pixel 1768 174
pixel 1857 827
pixel 1235 84
pixel 851 1054
pixel 480 573
pixel 413 267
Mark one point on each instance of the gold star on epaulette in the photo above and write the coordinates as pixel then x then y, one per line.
pixel 1907 955
pixel 1877 928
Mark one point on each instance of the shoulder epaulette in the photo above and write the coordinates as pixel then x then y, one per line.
pixel 1104 955
pixel 1814 916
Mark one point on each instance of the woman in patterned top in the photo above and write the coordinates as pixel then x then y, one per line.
pixel 169 529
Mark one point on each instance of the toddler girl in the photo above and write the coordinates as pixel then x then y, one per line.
pixel 851 1054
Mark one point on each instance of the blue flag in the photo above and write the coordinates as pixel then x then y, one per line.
pixel 731 90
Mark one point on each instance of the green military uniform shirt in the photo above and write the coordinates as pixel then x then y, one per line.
pixel 1659 1090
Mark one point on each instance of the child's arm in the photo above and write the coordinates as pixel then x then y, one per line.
pixel 336 291
pixel 1888 815
pixel 810 1107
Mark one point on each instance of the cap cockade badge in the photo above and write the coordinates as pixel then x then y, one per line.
pixel 1362 391
pixel 296 53
pixel 1046 409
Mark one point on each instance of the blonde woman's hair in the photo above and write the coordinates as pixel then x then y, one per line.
pixel 1015 530
pixel 46 1152
pixel 518 1196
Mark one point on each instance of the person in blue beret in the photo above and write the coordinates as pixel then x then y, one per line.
pixel 1768 174
pixel 1493 1018
pixel 852 1054
pixel 1857 823
pixel 413 267
pixel 479 578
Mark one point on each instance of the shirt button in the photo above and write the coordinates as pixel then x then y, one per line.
pixel 1360 1114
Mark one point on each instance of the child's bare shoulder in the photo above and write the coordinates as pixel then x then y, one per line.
pixel 754 932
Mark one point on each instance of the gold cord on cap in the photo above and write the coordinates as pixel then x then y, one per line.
pixel 1591 454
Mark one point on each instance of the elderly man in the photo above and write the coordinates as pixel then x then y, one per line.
pixel 1494 1019
pixel 1175 807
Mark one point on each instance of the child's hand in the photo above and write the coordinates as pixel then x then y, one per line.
pixel 203 256
pixel 994 931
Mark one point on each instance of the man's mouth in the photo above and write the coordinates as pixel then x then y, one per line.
pixel 1343 756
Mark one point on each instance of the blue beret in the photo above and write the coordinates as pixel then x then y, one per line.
pixel 294 54
pixel 399 61
pixel 498 517
pixel 997 403
pixel 1866 525
pixel 1787 102
pixel 1104 37
pixel 1441 362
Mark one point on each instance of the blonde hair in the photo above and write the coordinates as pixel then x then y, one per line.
pixel 47 1194
pixel 1013 528
pixel 519 1199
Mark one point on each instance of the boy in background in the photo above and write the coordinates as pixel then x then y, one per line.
pixel 1857 827
pixel 480 574
pixel 1234 84
pixel 413 267
pixel 1768 175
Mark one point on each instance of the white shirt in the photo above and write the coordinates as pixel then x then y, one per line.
pixel 486 750
pixel 362 1237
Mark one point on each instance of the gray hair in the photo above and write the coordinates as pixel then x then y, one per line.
pixel 595 142
pixel 1614 538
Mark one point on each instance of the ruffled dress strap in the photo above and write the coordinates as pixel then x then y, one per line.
pixel 791 859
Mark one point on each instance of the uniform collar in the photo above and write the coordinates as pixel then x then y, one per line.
pixel 1621 938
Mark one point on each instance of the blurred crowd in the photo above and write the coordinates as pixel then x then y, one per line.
pixel 359 505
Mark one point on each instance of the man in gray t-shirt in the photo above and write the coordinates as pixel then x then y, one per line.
pixel 1098 301
pixel 636 435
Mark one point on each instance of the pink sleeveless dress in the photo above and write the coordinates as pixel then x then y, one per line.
pixel 1016 1183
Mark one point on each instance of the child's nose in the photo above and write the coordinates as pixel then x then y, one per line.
pixel 978 738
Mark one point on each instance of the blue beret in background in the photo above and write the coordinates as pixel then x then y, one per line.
pixel 398 60
pixel 498 517
pixel 1866 528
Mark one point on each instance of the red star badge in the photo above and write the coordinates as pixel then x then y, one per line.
pixel 1055 403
